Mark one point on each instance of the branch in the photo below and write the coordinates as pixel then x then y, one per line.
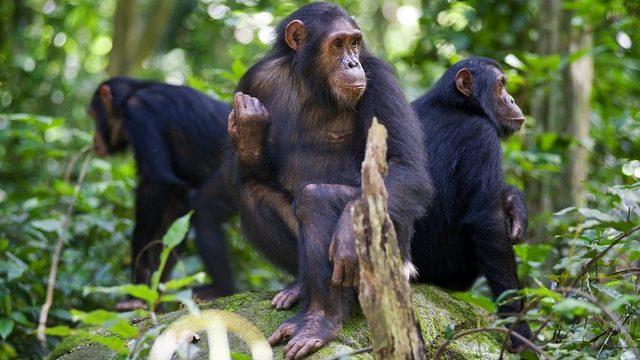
pixel 524 340
pixel 53 272
pixel 384 292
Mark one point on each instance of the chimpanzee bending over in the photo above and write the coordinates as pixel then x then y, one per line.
pixel 320 88
pixel 466 233
pixel 177 135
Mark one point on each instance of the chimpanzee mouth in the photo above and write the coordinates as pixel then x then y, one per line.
pixel 519 120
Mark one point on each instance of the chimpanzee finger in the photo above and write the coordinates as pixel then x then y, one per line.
pixel 249 103
pixel 349 274
pixel 516 233
pixel 263 111
pixel 356 280
pixel 331 250
pixel 338 272
pixel 238 101
pixel 288 302
pixel 231 122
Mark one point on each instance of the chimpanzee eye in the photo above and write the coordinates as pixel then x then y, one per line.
pixel 338 44
pixel 355 44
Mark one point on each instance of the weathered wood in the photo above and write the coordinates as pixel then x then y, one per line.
pixel 384 292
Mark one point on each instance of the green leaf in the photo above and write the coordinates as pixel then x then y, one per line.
pixel 20 318
pixel 180 283
pixel 571 308
pixel 177 232
pixel 171 239
pixel 6 327
pixel 47 225
pixel 123 328
pixel 139 291
pixel 482 301
pixel 239 356
pixel 58 331
pixel 96 317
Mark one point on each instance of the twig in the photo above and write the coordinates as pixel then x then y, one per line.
pixel 619 324
pixel 55 259
pixel 593 260
pixel 586 267
pixel 461 334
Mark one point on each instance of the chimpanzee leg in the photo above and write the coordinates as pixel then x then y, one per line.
pixel 497 263
pixel 157 206
pixel 151 202
pixel 269 222
pixel 214 205
pixel 318 209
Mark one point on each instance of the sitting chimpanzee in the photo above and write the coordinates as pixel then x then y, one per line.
pixel 465 234
pixel 320 88
pixel 177 135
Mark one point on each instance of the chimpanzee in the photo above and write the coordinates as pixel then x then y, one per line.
pixel 465 234
pixel 312 99
pixel 177 135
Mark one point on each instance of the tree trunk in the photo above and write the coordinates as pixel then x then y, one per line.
pixel 546 105
pixel 385 294
pixel 133 38
pixel 581 84
pixel 120 56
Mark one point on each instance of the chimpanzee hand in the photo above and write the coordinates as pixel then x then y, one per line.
pixel 342 252
pixel 516 210
pixel 246 125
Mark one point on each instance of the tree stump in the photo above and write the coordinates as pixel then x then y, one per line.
pixel 384 292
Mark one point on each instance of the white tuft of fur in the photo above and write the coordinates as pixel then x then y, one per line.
pixel 409 270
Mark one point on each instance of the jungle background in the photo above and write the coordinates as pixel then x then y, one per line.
pixel 573 66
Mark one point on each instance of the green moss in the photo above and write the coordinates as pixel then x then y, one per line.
pixel 435 311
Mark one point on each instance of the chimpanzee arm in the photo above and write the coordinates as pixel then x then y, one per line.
pixel 146 134
pixel 484 221
pixel 408 183
pixel 516 211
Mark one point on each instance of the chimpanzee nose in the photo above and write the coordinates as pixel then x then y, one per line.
pixel 352 64
pixel 512 100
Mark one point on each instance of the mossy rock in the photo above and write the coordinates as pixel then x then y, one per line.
pixel 435 309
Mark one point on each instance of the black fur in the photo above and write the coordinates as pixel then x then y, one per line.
pixel 177 135
pixel 301 158
pixel 465 236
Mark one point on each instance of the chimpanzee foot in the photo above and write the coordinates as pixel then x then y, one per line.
pixel 315 331
pixel 130 305
pixel 286 298
pixel 284 331
pixel 515 345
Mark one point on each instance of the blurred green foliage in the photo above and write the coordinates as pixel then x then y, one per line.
pixel 54 53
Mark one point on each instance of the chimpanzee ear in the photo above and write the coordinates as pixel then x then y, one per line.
pixel 464 81
pixel 107 97
pixel 295 34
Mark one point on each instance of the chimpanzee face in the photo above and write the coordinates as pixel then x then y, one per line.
pixel 506 110
pixel 109 136
pixel 341 51
pixel 100 146
pixel 487 87
pixel 338 58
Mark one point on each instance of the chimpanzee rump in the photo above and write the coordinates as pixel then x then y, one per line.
pixel 298 161
pixel 177 135
pixel 464 236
